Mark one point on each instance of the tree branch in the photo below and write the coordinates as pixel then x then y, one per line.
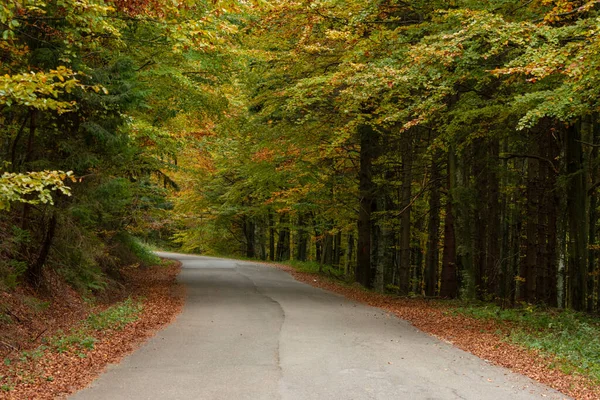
pixel 510 155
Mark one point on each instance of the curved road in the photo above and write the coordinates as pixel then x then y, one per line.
pixel 250 331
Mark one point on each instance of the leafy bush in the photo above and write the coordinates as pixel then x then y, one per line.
pixel 131 250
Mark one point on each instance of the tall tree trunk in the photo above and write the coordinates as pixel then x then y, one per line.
pixel 547 225
pixel 449 281
pixel 249 234
pixel 432 257
pixel 589 135
pixel 271 237
pixel 594 266
pixel 327 248
pixel 349 253
pixel 363 273
pixel 529 264
pixel 34 271
pixel 302 238
pixel 417 283
pixel 492 264
pixel 515 244
pixel 481 212
pixel 384 247
pixel 465 227
pixel 337 249
pixel 283 241
pixel 505 275
pixel 406 151
pixel 577 216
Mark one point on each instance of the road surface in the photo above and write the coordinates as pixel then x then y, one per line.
pixel 250 331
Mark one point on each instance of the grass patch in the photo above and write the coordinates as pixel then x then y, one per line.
pixel 82 337
pixel 311 267
pixel 573 338
pixel 115 317
pixel 78 341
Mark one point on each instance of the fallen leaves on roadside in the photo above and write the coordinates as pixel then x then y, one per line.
pixel 52 375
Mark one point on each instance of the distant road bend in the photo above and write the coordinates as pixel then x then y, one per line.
pixel 252 332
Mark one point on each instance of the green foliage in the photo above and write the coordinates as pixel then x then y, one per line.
pixel 71 99
pixel 131 250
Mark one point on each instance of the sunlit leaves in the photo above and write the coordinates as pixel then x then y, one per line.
pixel 32 187
pixel 42 90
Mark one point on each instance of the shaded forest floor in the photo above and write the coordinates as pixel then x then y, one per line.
pixel 484 332
pixel 54 344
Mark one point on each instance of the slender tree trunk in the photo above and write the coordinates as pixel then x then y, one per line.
pixel 271 237
pixel 577 216
pixel 594 266
pixel 515 244
pixel 505 275
pixel 302 238
pixel 349 253
pixel 327 249
pixel 589 135
pixel 449 281
pixel 363 273
pixel 283 242
pixel 337 249
pixel 35 270
pixel 417 283
pixel 492 264
pixel 547 226
pixel 249 234
pixel 15 144
pixel 481 214
pixel 432 257
pixel 405 218
pixel 382 231
pixel 529 264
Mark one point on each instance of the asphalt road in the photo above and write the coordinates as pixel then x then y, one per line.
pixel 250 331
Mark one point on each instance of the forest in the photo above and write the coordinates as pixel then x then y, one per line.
pixel 445 148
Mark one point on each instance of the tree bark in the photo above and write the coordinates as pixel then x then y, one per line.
pixel 271 237
pixel 578 233
pixel 302 239
pixel 528 270
pixel 405 222
pixel 35 271
pixel 283 241
pixel 449 282
pixel 363 273
pixel 432 257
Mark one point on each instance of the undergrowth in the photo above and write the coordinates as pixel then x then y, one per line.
pixel 115 317
pixel 77 340
pixel 572 338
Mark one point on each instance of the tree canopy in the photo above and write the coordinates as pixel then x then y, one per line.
pixel 431 148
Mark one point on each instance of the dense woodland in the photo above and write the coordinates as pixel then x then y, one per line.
pixel 428 148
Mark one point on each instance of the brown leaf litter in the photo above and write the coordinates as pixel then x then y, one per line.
pixel 54 375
